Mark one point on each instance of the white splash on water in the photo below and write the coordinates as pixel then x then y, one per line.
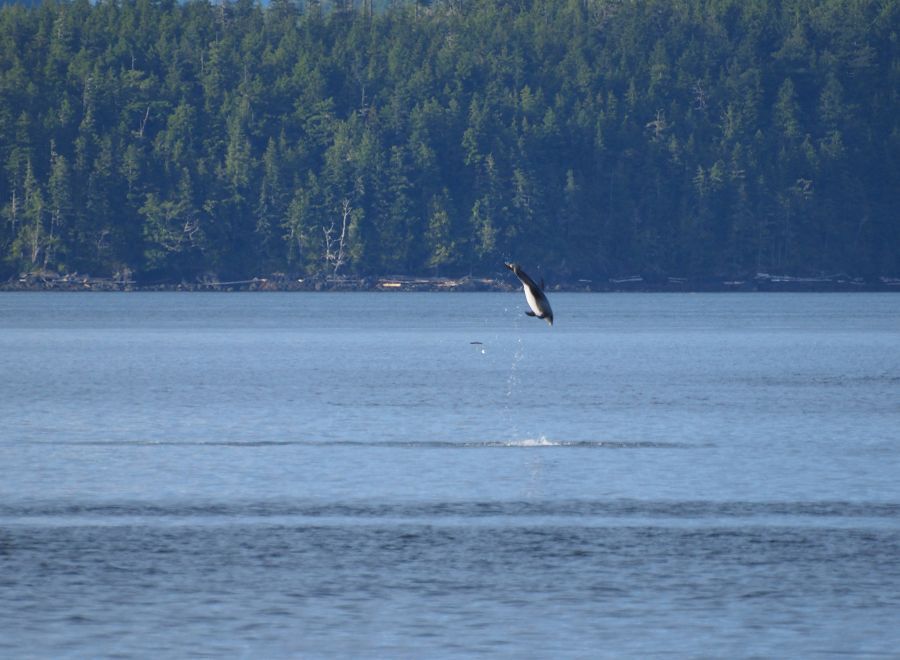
pixel 533 442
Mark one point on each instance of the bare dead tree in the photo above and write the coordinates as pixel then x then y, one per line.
pixel 140 132
pixel 658 125
pixel 335 248
pixel 14 211
pixel 36 239
pixel 190 229
pixel 103 240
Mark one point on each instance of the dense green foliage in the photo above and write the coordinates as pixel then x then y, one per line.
pixel 702 138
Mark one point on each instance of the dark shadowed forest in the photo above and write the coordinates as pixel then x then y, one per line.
pixel 694 139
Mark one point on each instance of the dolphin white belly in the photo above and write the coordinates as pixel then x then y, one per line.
pixel 532 302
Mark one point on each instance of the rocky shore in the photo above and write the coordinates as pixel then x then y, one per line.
pixel 44 281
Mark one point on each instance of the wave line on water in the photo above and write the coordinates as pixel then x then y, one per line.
pixel 570 511
pixel 523 443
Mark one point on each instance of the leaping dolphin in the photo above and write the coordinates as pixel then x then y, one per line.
pixel 537 301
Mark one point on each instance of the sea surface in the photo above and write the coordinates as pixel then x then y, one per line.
pixel 411 475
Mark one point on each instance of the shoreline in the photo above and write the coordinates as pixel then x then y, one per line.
pixel 635 284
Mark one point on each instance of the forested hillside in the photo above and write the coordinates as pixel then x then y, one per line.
pixel 691 138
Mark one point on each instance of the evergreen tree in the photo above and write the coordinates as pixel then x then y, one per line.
pixel 703 138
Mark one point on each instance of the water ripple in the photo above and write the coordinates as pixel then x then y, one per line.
pixel 524 443
pixel 437 511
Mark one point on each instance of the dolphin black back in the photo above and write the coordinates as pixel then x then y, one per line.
pixel 527 281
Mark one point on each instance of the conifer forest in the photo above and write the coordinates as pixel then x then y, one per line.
pixel 596 138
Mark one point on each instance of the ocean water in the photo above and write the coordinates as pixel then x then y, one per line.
pixel 438 475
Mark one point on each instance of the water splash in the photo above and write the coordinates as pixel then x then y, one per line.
pixel 512 386
pixel 533 442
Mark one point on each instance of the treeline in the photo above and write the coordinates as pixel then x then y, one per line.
pixel 697 138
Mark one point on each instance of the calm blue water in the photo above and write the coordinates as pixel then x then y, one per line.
pixel 348 475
